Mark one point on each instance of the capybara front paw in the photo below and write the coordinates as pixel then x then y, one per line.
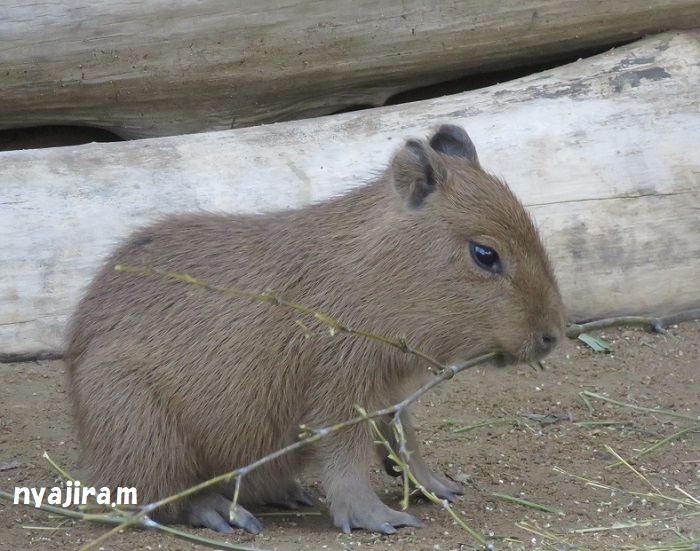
pixel 212 511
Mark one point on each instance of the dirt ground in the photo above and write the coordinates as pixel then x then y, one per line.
pixel 535 429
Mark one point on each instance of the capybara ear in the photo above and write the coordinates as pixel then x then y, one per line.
pixel 415 172
pixel 452 140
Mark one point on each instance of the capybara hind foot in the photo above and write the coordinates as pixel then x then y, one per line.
pixel 445 488
pixel 441 486
pixel 212 510
pixel 374 518
pixel 370 514
pixel 293 498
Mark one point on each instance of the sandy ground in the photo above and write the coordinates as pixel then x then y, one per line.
pixel 535 431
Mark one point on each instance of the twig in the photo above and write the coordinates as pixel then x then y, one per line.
pixel 658 444
pixel 38 356
pixel 588 393
pixel 647 495
pixel 654 324
pixel 271 297
pixel 57 468
pixel 528 503
pixel 547 536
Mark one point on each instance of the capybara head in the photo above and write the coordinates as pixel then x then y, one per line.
pixel 482 279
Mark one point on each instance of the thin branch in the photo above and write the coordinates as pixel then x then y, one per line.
pixel 674 436
pixel 271 297
pixel 670 413
pixel 38 356
pixel 654 324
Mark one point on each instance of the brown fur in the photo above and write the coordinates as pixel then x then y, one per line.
pixel 172 385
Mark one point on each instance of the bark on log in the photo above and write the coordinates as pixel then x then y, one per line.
pixel 151 68
pixel 604 151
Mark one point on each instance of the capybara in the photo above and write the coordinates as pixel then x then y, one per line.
pixel 172 384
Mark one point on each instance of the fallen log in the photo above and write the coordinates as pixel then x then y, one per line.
pixel 603 151
pixel 149 68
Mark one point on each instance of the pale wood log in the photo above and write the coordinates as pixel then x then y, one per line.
pixel 604 151
pixel 153 68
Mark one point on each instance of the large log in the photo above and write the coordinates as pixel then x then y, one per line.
pixel 604 152
pixel 151 68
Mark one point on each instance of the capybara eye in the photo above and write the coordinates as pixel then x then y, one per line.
pixel 486 258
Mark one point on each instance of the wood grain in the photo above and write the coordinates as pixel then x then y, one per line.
pixel 152 68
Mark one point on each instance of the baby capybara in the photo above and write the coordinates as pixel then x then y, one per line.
pixel 172 385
